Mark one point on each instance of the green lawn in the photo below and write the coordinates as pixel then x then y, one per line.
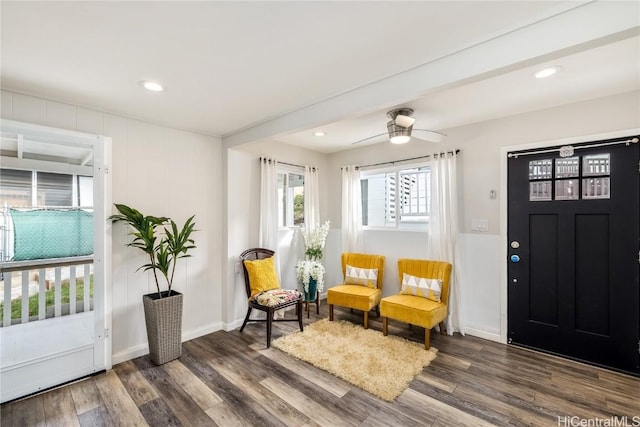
pixel 16 304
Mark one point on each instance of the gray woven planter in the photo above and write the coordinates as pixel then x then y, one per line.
pixel 164 326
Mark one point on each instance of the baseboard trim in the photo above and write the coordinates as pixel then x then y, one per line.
pixel 143 349
pixel 197 333
pixel 491 336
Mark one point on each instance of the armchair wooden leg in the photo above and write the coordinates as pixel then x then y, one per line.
pixel 299 312
pixel 427 338
pixel 330 312
pixel 443 331
pixel 385 325
pixel 366 320
pixel 269 324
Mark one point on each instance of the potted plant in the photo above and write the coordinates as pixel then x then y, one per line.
pixel 164 244
pixel 310 271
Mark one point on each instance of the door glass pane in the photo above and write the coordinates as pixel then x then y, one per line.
pixel 596 164
pixel 568 167
pixel 539 191
pixel 567 189
pixel 596 188
pixel 540 169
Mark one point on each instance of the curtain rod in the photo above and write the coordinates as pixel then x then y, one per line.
pixel 406 160
pixel 515 154
pixel 288 164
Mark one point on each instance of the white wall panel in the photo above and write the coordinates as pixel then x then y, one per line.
pixel 6 101
pixel 28 109
pixel 480 293
pixel 61 115
pixel 90 121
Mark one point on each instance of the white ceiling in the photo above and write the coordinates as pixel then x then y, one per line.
pixel 250 71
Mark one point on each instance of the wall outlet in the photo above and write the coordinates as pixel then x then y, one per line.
pixel 237 268
pixel 479 225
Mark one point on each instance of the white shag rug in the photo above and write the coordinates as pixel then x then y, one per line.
pixel 383 366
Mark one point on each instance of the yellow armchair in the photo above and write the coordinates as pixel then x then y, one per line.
pixel 423 310
pixel 360 293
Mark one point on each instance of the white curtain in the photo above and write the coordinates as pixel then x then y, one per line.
pixel 269 213
pixel 351 210
pixel 443 230
pixel 269 206
pixel 311 198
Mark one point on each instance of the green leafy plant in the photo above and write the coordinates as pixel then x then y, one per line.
pixel 160 239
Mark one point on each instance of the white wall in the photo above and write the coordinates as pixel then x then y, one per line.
pixel 479 170
pixel 161 171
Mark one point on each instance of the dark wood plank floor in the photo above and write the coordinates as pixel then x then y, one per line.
pixel 231 379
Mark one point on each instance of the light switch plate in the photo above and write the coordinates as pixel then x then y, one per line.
pixel 479 225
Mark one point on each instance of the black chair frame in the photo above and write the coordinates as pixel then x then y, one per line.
pixel 261 253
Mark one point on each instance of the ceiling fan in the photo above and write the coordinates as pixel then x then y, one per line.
pixel 400 126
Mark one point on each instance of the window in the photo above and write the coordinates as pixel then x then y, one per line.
pixel 396 198
pixel 26 189
pixel 290 197
pixel 574 178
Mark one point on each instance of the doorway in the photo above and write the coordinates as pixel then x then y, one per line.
pixel 56 190
pixel 573 259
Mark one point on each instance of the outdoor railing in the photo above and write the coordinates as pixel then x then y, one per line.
pixel 40 289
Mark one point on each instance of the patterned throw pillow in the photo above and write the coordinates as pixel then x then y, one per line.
pixel 262 275
pixel 275 297
pixel 421 287
pixel 361 276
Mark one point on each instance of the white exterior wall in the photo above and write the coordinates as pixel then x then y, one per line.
pixel 160 171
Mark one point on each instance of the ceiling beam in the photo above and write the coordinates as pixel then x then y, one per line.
pixel 581 28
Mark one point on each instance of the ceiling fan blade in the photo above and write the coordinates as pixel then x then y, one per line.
pixel 430 135
pixel 404 121
pixel 369 138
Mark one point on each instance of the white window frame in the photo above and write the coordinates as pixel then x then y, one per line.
pixel 397 223
pixel 287 203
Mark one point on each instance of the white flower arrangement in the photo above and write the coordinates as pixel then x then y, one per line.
pixel 311 268
pixel 314 241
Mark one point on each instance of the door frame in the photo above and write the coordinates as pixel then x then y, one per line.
pixel 504 205
pixel 102 152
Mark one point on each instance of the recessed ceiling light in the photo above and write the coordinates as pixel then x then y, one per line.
pixel 152 86
pixel 547 72
pixel 319 133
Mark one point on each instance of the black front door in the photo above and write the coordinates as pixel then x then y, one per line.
pixel 573 236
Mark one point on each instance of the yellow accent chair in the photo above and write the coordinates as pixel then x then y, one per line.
pixel 414 305
pixel 362 286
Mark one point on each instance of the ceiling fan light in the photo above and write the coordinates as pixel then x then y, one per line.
pixel 400 139
pixel 404 121
pixel 398 134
